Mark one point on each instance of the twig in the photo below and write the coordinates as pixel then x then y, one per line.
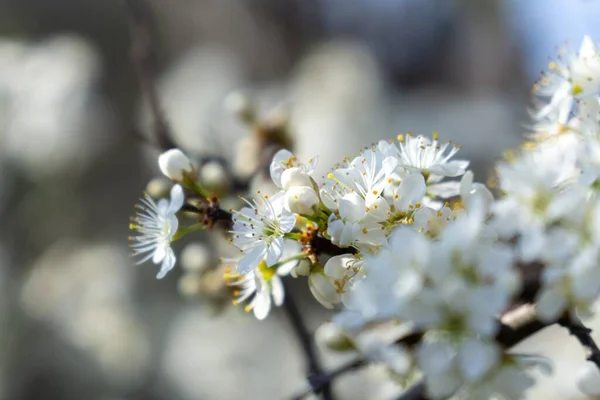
pixel 315 371
pixel 325 379
pixel 584 335
pixel 409 340
pixel 144 59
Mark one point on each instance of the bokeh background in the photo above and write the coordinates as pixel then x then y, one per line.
pixel 78 320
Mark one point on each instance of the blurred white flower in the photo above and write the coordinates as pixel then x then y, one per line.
pixel 570 78
pixel 83 292
pixel 51 116
pixel 196 257
pixel 588 380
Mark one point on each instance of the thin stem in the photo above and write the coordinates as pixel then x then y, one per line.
pixel 298 256
pixel 144 58
pixel 584 335
pixel 315 371
pixel 184 230
pixel 409 341
pixel 321 381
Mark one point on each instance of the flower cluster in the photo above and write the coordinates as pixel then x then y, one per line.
pixel 402 234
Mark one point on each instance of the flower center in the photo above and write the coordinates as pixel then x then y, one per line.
pixel 265 271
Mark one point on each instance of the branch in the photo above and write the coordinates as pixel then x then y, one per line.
pixel 329 377
pixel 144 59
pixel 515 326
pixel 315 372
pixel 583 334
pixel 409 341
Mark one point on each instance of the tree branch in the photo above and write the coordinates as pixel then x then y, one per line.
pixel 325 379
pixel 583 334
pixel 315 371
pixel 144 59
pixel 515 326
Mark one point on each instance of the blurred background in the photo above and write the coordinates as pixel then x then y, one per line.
pixel 78 320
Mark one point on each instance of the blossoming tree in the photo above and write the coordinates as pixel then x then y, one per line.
pixel 432 274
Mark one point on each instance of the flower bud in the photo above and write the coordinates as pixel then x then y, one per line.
pixel 301 200
pixel 294 176
pixel 241 106
pixel 332 337
pixel 159 187
pixel 190 285
pixel 174 164
pixel 247 154
pixel 214 177
pixel 301 269
pixel 196 257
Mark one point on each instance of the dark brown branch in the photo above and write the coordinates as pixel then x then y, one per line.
pixel 409 341
pixel 315 371
pixel 144 59
pixel 583 335
pixel 324 246
pixel 325 379
pixel 531 278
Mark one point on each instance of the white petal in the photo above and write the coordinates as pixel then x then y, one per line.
pixel 159 254
pixel 335 267
pixel 277 290
pixel 287 221
pixel 323 290
pixel 588 380
pixel 274 251
pixel 251 259
pixel 551 304
pixel 167 264
pixel 476 358
pixel 352 207
pixel 445 189
pixel 177 199
pixel 262 303
pixel 588 48
pixel 276 168
pixel 411 190
pixel 465 184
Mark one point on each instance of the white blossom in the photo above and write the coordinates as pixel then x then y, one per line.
pixel 300 174
pixel 261 288
pixel 430 157
pixel 537 190
pixel 329 284
pixel 258 231
pixel 570 78
pixel 588 380
pixel 156 224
